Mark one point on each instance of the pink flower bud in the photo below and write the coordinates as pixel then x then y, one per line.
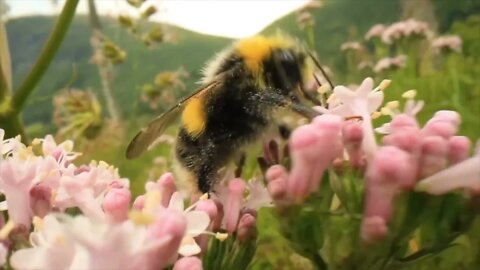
pixel 312 148
pixel 305 155
pixel 352 134
pixel 217 222
pixel 440 128
pixel 209 207
pixel 458 148
pixel 116 203
pixel 402 121
pixel 167 184
pixel 373 229
pixel 246 227
pixel 277 177
pixel 433 155
pixel 408 140
pixel 391 171
pixel 236 187
pixel 188 263
pixel 40 200
pixel 139 202
pixel 168 223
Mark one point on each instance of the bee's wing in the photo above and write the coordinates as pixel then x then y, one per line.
pixel 157 126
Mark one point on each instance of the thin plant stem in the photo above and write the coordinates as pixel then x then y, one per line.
pixel 46 56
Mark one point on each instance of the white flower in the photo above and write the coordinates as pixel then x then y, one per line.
pixel 197 223
pixel 362 102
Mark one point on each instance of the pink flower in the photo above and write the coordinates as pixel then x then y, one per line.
pixel 375 31
pixel 172 225
pixel 352 136
pixel 451 43
pixel 51 249
pixel 277 178
pixel 246 227
pixel 61 152
pixel 391 171
pixel 236 187
pixel 312 148
pixel 17 177
pixel 389 63
pixel 458 148
pixel 188 263
pixel 405 29
pixel 433 157
pixel 117 203
pixel 463 175
pixel 3 254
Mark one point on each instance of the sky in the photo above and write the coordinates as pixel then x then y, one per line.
pixel 230 18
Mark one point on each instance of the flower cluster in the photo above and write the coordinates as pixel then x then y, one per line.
pixel 410 28
pixel 389 63
pixel 411 161
pixel 43 187
pixel 450 43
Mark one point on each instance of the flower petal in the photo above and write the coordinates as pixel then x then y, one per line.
pixel 189 249
pixel 465 174
pixel 197 222
pixel 176 202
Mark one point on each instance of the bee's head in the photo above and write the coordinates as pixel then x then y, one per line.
pixel 278 62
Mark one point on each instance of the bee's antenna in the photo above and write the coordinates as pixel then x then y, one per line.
pixel 321 70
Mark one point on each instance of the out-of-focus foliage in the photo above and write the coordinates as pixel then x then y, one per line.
pixel 140 67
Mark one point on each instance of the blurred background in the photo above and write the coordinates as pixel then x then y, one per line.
pixel 123 62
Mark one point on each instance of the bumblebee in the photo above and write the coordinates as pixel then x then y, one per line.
pixel 243 89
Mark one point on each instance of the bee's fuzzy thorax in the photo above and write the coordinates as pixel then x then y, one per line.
pixel 252 52
pixel 255 50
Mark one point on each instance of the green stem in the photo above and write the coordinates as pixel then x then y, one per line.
pixel 46 55
pixel 13 126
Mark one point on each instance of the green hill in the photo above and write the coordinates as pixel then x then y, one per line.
pixel 28 34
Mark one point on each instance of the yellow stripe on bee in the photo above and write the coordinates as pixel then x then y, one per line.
pixel 194 116
pixel 256 49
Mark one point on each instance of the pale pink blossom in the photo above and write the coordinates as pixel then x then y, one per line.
pixel 463 175
pixel 116 203
pixel 236 188
pixel 433 158
pixel 246 227
pixel 3 253
pixel 17 177
pixel 277 178
pixel 352 45
pixel 352 136
pixel 451 43
pixel 458 148
pixel 389 63
pixel 405 29
pixel 62 152
pixel 375 31
pixel 197 224
pixel 188 263
pixel 361 102
pixel 51 249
